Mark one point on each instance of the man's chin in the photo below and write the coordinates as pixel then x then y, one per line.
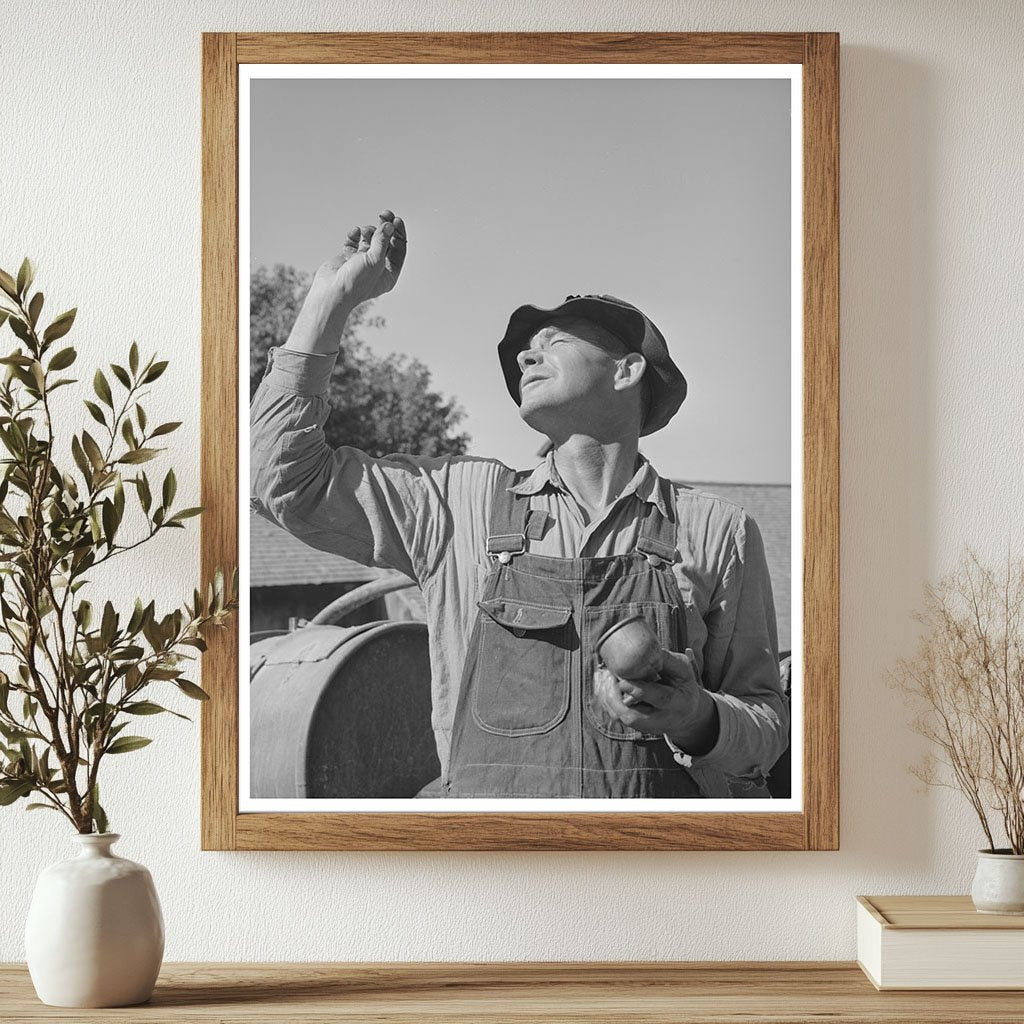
pixel 538 418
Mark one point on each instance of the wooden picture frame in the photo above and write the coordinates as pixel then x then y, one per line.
pixel 816 826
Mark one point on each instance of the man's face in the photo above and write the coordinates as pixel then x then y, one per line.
pixel 568 381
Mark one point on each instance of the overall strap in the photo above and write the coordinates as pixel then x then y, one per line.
pixel 657 540
pixel 512 520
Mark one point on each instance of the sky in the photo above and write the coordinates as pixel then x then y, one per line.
pixel 673 194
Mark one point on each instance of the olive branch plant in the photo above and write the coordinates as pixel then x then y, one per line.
pixel 966 681
pixel 80 673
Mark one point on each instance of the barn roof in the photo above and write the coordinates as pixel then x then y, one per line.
pixel 769 505
pixel 277 559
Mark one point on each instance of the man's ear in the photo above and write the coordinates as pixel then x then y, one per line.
pixel 629 371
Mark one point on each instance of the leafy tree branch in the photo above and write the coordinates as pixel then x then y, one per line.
pixel 81 674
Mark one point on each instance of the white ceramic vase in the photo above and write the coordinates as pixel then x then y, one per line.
pixel 999 883
pixel 95 933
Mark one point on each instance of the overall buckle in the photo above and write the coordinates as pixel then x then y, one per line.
pixel 506 545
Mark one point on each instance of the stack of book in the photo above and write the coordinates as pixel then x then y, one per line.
pixel 938 942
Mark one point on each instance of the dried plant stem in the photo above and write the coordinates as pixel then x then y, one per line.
pixel 967 682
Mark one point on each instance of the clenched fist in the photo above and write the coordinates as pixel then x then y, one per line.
pixel 367 267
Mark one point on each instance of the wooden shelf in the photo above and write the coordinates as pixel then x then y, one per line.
pixel 631 993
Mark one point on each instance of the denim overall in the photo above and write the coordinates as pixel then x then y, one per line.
pixel 528 723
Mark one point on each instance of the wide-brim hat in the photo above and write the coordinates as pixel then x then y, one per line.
pixel 632 327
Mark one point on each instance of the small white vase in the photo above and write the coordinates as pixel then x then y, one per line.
pixel 95 933
pixel 999 882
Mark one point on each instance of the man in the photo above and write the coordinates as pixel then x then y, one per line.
pixel 522 572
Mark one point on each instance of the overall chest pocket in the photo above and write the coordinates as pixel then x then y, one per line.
pixel 521 676
pixel 665 619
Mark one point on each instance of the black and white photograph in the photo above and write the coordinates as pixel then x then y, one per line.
pixel 523 441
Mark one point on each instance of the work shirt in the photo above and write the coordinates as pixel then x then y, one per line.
pixel 428 517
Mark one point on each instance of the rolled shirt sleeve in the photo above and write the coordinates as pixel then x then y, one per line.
pixel 741 672
pixel 388 513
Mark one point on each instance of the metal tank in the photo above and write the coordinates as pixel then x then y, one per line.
pixel 340 711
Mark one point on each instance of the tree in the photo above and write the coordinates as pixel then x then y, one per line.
pixel 379 404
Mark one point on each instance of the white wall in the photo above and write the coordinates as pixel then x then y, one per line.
pixel 99 165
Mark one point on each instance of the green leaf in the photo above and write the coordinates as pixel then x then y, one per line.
pixel 119 499
pixel 84 614
pixel 109 521
pixel 147 707
pixel 102 388
pixel 60 326
pixel 185 513
pixel 26 274
pixel 95 526
pixel 11 733
pixel 94 711
pixel 163 673
pixel 154 371
pixel 19 632
pixel 135 622
pixel 121 374
pixel 11 791
pixel 151 632
pixel 16 359
pixel 143 707
pixel 140 415
pixel 116 730
pixel 80 458
pixel 95 412
pixel 42 807
pixel 34 308
pixel 191 690
pixel 130 653
pixel 20 329
pixel 125 744
pixel 145 497
pixel 10 442
pixel 128 433
pixel 108 627
pixel 8 284
pixel 139 455
pixel 99 817
pixel 92 449
pixel 170 488
pixel 165 428
pixel 133 358
pixel 63 359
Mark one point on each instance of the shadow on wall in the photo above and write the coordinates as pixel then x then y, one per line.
pixel 887 287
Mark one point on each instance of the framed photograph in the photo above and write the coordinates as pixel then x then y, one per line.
pixel 521 422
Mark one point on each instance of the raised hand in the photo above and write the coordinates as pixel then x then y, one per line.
pixel 367 267
pixel 370 261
